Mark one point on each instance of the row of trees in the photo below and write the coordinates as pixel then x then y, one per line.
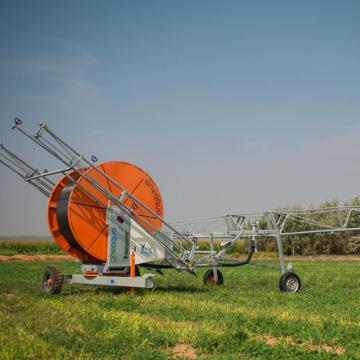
pixel 339 243
pixel 336 243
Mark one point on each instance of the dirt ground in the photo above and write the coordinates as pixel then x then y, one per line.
pixel 35 257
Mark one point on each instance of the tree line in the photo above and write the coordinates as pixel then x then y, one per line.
pixel 337 243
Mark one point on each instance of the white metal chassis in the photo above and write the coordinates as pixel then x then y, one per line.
pixel 145 281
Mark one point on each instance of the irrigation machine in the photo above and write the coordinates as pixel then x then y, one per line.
pixel 109 216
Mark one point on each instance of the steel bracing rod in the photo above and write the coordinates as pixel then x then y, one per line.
pixel 320 231
pixel 308 212
pixel 13 165
pixel 271 221
pixel 134 215
pixel 249 233
pixel 48 173
pixel 261 214
pixel 304 220
pixel 42 190
pixel 184 224
pixel 158 235
pixel 69 161
pixel 345 224
pixel 17 127
pixel 115 183
pixel 125 209
pixel 283 223
pixel 37 138
pixel 12 169
pixel 91 195
pixel 129 211
pixel 132 197
pixel 22 169
pixel 191 227
pixel 229 244
pixel 322 210
pixel 39 182
pixel 338 215
pixel 21 164
pixel 138 217
pixel 65 154
pixel 39 135
pixel 275 230
pixel 38 186
pixel 50 146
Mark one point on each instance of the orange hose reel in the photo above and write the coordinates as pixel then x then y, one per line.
pixel 77 222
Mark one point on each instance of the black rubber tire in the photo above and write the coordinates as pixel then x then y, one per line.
pixel 52 280
pixel 290 282
pixel 209 278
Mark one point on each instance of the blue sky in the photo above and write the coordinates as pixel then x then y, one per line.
pixel 230 106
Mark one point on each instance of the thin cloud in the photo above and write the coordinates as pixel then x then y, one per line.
pixel 67 73
pixel 54 67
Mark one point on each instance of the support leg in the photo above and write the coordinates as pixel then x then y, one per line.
pixel 212 249
pixel 271 221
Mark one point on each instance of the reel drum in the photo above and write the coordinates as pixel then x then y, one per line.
pixel 78 222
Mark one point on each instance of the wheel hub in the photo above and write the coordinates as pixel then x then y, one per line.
pixel 292 284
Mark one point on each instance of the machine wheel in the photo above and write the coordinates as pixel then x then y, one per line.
pixel 52 280
pixel 209 278
pixel 290 282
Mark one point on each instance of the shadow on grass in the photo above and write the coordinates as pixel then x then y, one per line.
pixel 96 290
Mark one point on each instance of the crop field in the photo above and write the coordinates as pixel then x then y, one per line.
pixel 32 247
pixel 246 318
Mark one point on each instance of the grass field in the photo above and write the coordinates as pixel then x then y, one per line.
pixel 247 318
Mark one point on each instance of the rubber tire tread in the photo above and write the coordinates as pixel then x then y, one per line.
pixel 53 273
pixel 209 273
pixel 283 279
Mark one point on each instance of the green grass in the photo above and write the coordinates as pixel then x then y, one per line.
pixel 30 247
pixel 246 318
